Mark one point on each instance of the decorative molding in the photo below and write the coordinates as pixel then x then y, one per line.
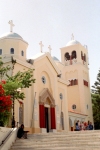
pixel 44 95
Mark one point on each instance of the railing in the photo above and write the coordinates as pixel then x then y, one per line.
pixel 3 141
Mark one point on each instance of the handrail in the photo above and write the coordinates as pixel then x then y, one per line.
pixel 2 142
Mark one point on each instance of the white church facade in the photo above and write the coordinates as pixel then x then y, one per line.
pixel 61 94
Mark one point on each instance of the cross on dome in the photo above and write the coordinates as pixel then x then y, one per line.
pixel 11 25
pixel 49 49
pixel 72 37
pixel 41 45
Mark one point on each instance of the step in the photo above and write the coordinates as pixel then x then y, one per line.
pixel 82 140
pixel 62 148
pixel 55 142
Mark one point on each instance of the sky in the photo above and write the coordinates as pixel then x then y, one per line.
pixel 53 22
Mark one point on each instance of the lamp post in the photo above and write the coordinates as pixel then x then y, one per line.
pixel 13 117
pixel 13 103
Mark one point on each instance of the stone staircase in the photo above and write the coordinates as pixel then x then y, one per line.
pixel 76 140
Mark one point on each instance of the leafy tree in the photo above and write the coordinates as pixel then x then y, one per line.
pixel 19 81
pixel 96 101
pixel 14 83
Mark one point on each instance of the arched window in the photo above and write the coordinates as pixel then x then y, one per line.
pixel 22 53
pixel 74 54
pixel 75 82
pixel 85 57
pixel 81 55
pixel 73 106
pixel 12 51
pixel 67 56
pixel 72 82
pixel 0 51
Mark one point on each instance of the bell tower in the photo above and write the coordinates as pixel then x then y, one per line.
pixel 74 57
pixel 74 53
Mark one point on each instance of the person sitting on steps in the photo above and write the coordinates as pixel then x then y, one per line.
pixel 21 133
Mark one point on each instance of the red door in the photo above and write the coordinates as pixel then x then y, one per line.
pixel 53 119
pixel 42 116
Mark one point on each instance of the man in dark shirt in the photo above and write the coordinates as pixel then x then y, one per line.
pixel 21 133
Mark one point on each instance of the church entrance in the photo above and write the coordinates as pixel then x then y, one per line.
pixel 47 111
pixel 46 119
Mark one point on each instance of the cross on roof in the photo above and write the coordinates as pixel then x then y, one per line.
pixel 49 49
pixel 11 25
pixel 41 45
pixel 72 37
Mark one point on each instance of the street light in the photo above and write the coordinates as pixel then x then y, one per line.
pixel 13 118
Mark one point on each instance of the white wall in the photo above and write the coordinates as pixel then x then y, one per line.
pixel 9 141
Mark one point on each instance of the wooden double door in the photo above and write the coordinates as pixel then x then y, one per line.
pixel 47 117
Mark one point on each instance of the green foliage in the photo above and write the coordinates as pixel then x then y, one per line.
pixel 14 85
pixel 96 101
pixel 3 70
pixel 19 81
pixel 4 118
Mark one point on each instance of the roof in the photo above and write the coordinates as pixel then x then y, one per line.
pixel 72 42
pixel 11 35
pixel 39 56
pixel 55 58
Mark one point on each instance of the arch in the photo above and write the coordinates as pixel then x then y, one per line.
pixel 74 54
pixel 67 56
pixel 45 97
pixel 12 51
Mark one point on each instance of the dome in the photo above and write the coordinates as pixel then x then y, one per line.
pixel 55 58
pixel 11 35
pixel 72 42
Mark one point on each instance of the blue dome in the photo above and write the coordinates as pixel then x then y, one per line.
pixel 11 35
pixel 55 58
pixel 72 42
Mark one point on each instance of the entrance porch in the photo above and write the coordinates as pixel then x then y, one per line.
pixel 47 112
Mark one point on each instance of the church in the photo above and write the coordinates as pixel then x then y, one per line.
pixel 61 94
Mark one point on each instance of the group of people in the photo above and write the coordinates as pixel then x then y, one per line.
pixel 83 126
pixel 79 126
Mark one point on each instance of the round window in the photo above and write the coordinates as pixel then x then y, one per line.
pixel 73 106
pixel 43 79
pixel 61 96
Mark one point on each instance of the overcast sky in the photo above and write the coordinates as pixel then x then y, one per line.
pixel 53 22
